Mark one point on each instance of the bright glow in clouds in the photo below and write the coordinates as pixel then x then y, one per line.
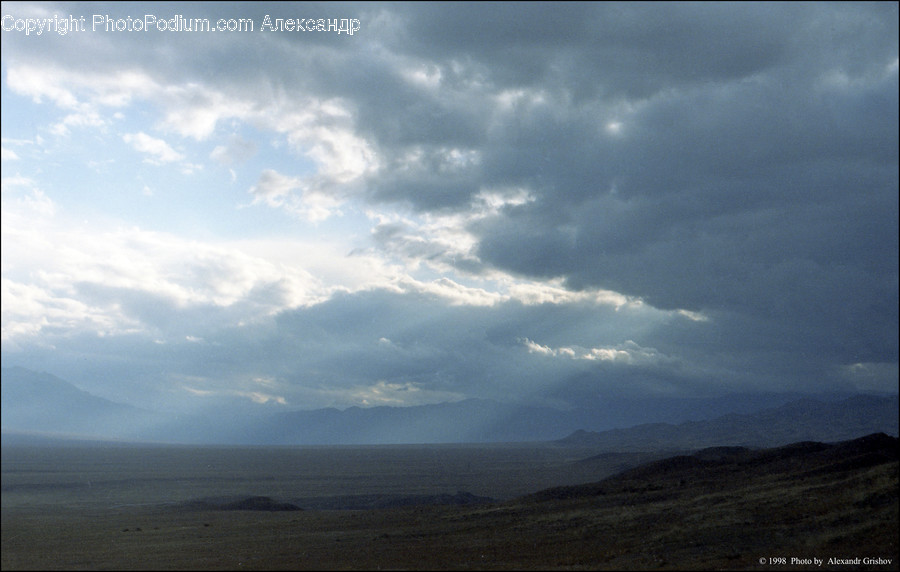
pixel 408 393
pixel 63 262
pixel 628 353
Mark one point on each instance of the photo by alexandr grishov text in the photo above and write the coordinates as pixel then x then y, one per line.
pixel 868 561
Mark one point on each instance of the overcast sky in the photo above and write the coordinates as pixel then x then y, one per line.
pixel 544 203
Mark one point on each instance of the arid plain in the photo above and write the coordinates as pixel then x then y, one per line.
pixel 455 507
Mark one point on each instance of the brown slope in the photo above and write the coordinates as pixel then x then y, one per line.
pixel 718 509
pixel 726 466
pixel 726 509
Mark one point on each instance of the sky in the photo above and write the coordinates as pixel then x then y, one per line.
pixel 537 203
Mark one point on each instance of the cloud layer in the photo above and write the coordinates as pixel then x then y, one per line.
pixel 529 202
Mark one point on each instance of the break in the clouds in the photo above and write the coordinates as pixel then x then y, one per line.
pixel 534 202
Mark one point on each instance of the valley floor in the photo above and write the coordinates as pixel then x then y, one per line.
pixel 684 513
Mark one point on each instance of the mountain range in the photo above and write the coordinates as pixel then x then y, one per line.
pixel 800 420
pixel 41 402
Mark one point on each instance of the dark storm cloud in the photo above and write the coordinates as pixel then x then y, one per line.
pixel 744 161
pixel 599 49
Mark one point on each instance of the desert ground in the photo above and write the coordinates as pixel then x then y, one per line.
pixel 447 507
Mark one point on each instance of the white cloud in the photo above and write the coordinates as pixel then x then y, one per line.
pixel 419 160
pixel 323 130
pixel 628 353
pixel 194 110
pixel 83 95
pixel 65 277
pixel 553 292
pixel 496 199
pixel 86 118
pixel 9 146
pixel 261 398
pixel 39 83
pixel 693 316
pixel 397 393
pixel 157 150
pixel 295 195
pixel 536 348
pixel 342 155
pixel 453 292
pixel 423 75
pixel 19 206
pixel 274 189
pixel 30 310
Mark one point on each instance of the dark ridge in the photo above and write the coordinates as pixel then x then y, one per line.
pixel 717 467
pixel 805 420
pixel 616 462
pixel 875 441
pixel 346 502
pixel 723 453
pixel 381 501
pixel 678 463
pixel 257 503
pixel 458 499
